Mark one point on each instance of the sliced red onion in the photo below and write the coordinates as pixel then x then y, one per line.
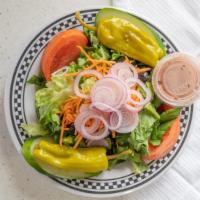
pixel 97 143
pixel 97 135
pixel 124 71
pixel 78 78
pixel 94 126
pixel 110 91
pixel 130 120
pixel 114 123
pixel 84 115
pixel 133 81
pixel 101 95
pixel 124 92
pixel 60 70
pixel 137 93
pixel 134 108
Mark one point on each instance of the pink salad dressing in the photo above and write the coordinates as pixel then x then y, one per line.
pixel 176 79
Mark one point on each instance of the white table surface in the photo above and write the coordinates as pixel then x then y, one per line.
pixel 20 21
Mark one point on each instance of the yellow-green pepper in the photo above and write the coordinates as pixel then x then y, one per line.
pixel 122 35
pixel 88 160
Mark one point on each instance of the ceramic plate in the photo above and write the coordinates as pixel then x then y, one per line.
pixel 19 108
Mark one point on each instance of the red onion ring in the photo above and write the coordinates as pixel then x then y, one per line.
pixel 78 78
pixel 102 94
pixel 98 135
pixel 130 120
pixel 124 71
pixel 135 108
pixel 84 115
pixel 118 92
pixel 114 123
pixel 133 81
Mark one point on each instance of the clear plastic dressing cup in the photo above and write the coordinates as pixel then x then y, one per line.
pixel 176 79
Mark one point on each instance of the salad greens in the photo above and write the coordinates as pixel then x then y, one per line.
pixel 159 130
pixel 156 102
pixel 170 114
pixel 51 97
pixel 35 129
pixel 99 51
pixel 160 127
pixel 96 50
pixel 48 100
pixel 38 81
pixel 138 164
pixel 139 137
pixel 152 110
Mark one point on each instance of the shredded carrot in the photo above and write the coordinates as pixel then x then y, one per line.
pixel 78 17
pixel 69 111
pixel 78 141
pixel 142 70
pixel 110 157
pixel 135 98
pixel 93 60
pixel 101 66
pixel 113 134
pixel 127 60
pixel 77 136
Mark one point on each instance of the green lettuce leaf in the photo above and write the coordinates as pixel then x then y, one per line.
pixel 139 137
pixel 156 102
pixel 158 132
pixel 170 114
pixel 48 100
pixel 78 65
pixel 97 50
pixel 116 56
pixel 151 110
pixel 138 164
pixel 34 129
pixel 94 41
pixel 38 81
pixel 112 163
pixel 120 158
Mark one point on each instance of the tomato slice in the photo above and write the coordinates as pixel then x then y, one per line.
pixel 165 107
pixel 168 141
pixel 62 50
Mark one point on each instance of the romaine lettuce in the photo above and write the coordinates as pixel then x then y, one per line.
pixel 34 129
pixel 139 137
pixel 48 100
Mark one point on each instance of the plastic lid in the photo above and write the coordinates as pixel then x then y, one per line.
pixel 176 79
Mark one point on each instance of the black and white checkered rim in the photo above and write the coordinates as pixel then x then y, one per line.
pixel 17 112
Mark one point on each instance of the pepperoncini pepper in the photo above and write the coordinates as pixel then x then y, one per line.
pixel 121 35
pixel 89 160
